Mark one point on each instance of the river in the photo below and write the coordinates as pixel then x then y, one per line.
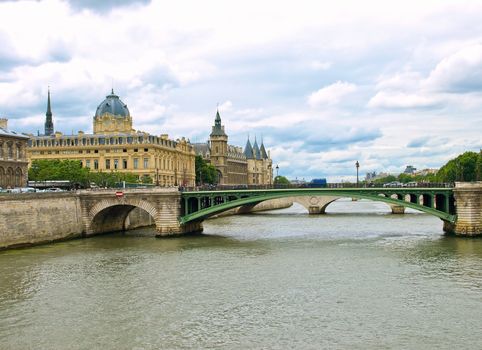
pixel 356 278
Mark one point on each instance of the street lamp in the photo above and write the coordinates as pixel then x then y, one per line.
pixel 277 169
pixel 357 166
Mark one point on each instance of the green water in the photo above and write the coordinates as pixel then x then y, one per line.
pixel 357 278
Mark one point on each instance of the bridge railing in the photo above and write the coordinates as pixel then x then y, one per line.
pixel 328 185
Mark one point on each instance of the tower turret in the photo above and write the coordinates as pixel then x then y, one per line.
pixel 219 150
pixel 49 124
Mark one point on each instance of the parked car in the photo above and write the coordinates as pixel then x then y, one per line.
pixel 393 184
pixel 411 184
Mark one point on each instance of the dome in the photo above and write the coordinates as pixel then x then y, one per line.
pixel 113 105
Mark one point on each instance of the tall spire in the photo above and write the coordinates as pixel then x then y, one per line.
pixel 49 125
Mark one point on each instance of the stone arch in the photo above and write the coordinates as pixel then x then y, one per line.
pixel 10 177
pixel 116 211
pixel 315 204
pixel 18 177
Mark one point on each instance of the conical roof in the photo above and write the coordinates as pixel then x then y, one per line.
pixel 264 154
pixel 218 129
pixel 256 151
pixel 248 150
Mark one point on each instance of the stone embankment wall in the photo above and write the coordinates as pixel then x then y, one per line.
pixel 31 218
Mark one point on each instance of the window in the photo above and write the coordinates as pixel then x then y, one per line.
pixel 87 163
pixel 96 164
pixel 146 149
pixel 107 163
pixel 136 163
pixel 124 163
pixel 146 163
pixel 116 163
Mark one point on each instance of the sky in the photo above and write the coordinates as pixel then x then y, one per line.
pixel 322 83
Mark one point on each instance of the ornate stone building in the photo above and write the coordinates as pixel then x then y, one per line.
pixel 13 157
pixel 115 146
pixel 253 166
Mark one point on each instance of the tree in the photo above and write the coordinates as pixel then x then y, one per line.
pixel 281 180
pixel 54 169
pixel 462 168
pixel 205 173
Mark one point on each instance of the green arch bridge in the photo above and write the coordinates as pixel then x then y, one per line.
pixel 199 205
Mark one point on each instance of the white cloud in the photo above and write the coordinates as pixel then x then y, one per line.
pixel 386 99
pixel 459 72
pixel 331 94
pixel 172 62
pixel 320 65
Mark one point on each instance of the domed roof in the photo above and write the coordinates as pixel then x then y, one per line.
pixel 113 105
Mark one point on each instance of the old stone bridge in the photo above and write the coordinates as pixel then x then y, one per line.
pixel 42 217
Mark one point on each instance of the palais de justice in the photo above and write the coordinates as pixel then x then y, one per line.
pixel 115 146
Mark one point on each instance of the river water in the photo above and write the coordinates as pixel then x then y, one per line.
pixel 357 278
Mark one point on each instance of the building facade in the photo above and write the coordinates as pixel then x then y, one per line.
pixel 13 157
pixel 253 166
pixel 115 146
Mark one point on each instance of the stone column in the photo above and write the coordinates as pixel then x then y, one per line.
pixel 168 213
pixel 397 209
pixel 468 201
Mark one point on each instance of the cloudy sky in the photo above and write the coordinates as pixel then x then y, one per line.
pixel 324 83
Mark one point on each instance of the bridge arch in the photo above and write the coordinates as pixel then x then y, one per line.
pixel 212 203
pixel 110 215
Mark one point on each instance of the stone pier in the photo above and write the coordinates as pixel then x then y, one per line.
pixel 468 201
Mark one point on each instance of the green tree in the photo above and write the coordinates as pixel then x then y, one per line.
pixel 146 179
pixel 53 169
pixel 205 173
pixel 384 180
pixel 462 168
pixel 281 180
pixel 404 178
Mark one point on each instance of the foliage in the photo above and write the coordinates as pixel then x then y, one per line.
pixel 70 170
pixel 466 167
pixel 205 173
pixel 146 179
pixel 386 179
pixel 281 180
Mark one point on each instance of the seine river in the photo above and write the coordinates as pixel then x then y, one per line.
pixel 357 278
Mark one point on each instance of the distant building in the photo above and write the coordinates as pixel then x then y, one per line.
pixel 115 146
pixel 13 157
pixel 253 166
pixel 425 172
pixel 409 169
pixel 370 176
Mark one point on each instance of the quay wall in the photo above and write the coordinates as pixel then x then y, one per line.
pixel 33 218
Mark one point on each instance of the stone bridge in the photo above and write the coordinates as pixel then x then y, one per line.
pixel 108 211
pixel 33 218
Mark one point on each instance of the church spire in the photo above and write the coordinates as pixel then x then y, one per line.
pixel 49 125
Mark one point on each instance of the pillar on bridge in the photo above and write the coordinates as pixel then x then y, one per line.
pixel 468 201
pixel 397 209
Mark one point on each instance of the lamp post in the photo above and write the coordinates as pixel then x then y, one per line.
pixel 357 165
pixel 277 169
